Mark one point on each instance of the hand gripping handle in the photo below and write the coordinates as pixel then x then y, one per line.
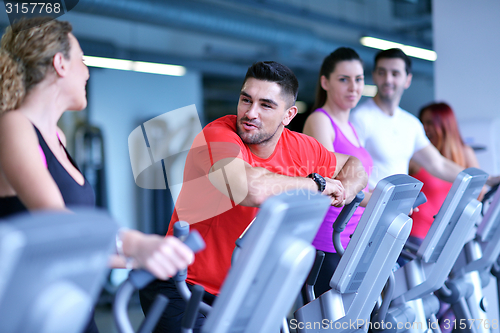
pixel 346 213
pixel 141 278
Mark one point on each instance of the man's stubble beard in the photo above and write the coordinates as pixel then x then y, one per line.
pixel 257 138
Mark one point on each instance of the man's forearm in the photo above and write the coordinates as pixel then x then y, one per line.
pixel 262 184
pixel 436 164
pixel 251 186
pixel 447 170
pixel 353 177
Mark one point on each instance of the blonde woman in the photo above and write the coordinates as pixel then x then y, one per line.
pixel 42 75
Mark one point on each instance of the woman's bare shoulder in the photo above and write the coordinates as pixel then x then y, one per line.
pixel 14 118
pixel 317 122
pixel 15 124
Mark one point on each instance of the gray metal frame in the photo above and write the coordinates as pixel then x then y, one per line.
pixel 52 266
pixel 263 283
pixel 470 273
pixel 451 229
pixel 367 262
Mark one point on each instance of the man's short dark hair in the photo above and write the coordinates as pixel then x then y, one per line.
pixel 275 72
pixel 394 53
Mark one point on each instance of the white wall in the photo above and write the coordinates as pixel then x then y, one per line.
pixel 466 76
pixel 467 69
pixel 120 101
pixel 420 93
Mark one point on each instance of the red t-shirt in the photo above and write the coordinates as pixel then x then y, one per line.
pixel 219 220
pixel 436 191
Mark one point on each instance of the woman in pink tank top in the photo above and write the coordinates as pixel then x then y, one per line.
pixel 340 85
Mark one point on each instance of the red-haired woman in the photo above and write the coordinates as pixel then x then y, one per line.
pixel 441 128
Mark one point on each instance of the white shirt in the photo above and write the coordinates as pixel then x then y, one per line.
pixel 390 140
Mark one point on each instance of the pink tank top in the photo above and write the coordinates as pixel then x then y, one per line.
pixel 323 240
pixel 42 154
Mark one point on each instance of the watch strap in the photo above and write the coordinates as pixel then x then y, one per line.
pixel 319 180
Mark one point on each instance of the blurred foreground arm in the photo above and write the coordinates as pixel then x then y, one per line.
pixel 162 256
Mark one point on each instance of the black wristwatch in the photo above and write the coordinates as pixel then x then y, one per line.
pixel 319 180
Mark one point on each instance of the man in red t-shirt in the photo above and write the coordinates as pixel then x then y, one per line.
pixel 235 164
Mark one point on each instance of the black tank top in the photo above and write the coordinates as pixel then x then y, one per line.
pixel 73 193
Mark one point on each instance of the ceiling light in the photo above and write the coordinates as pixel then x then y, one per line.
pixel 136 66
pixel 369 90
pixel 301 106
pixel 412 51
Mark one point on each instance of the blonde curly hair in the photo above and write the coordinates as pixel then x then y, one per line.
pixel 26 53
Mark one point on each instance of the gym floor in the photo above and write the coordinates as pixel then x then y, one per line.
pixel 104 316
pixel 104 312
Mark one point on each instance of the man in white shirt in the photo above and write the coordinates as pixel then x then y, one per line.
pixel 390 134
